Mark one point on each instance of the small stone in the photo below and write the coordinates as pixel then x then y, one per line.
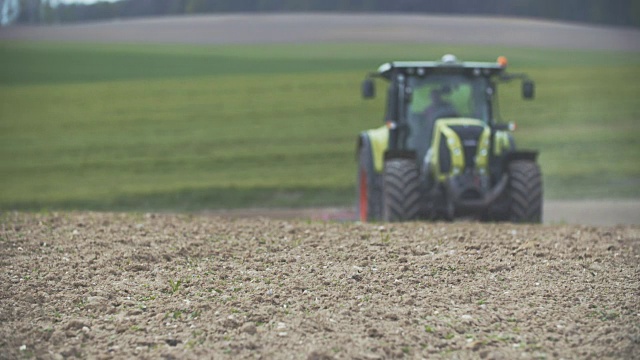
pixel 249 328
pixel 595 267
pixel 76 325
pixel 391 316
pixel 23 347
pixel 96 299
pixel 284 333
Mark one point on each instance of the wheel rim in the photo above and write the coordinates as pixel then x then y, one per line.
pixel 364 201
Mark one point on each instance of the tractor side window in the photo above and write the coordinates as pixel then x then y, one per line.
pixel 421 98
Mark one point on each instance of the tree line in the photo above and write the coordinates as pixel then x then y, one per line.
pixel 609 12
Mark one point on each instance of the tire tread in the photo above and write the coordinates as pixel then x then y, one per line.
pixel 525 187
pixel 401 188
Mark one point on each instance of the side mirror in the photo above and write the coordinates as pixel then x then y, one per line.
pixel 528 89
pixel 368 89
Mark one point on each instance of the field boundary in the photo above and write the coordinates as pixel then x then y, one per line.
pixel 574 212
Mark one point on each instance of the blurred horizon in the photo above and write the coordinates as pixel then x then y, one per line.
pixel 624 13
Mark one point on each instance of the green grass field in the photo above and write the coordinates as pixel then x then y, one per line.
pixel 157 127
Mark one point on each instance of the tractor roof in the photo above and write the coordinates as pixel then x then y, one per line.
pixel 448 65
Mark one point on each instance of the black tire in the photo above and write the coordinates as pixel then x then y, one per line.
pixel 401 188
pixel 525 192
pixel 368 188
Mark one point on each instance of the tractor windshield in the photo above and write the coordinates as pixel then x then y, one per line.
pixel 449 96
pixel 443 96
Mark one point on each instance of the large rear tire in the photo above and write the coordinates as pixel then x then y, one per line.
pixel 369 188
pixel 401 188
pixel 525 192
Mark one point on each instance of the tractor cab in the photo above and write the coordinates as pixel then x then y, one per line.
pixel 421 92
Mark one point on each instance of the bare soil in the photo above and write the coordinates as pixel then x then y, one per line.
pixel 93 285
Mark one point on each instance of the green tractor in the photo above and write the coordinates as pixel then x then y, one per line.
pixel 441 154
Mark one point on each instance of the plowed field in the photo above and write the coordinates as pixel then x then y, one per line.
pixel 94 285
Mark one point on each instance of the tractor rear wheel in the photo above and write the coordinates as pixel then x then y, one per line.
pixel 525 192
pixel 401 188
pixel 369 188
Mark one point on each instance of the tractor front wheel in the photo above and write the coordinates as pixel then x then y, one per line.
pixel 401 188
pixel 525 192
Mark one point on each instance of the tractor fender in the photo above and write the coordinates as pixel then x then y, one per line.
pixel 376 141
pixel 529 155
pixel 503 143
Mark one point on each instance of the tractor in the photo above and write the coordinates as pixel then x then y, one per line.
pixel 441 154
